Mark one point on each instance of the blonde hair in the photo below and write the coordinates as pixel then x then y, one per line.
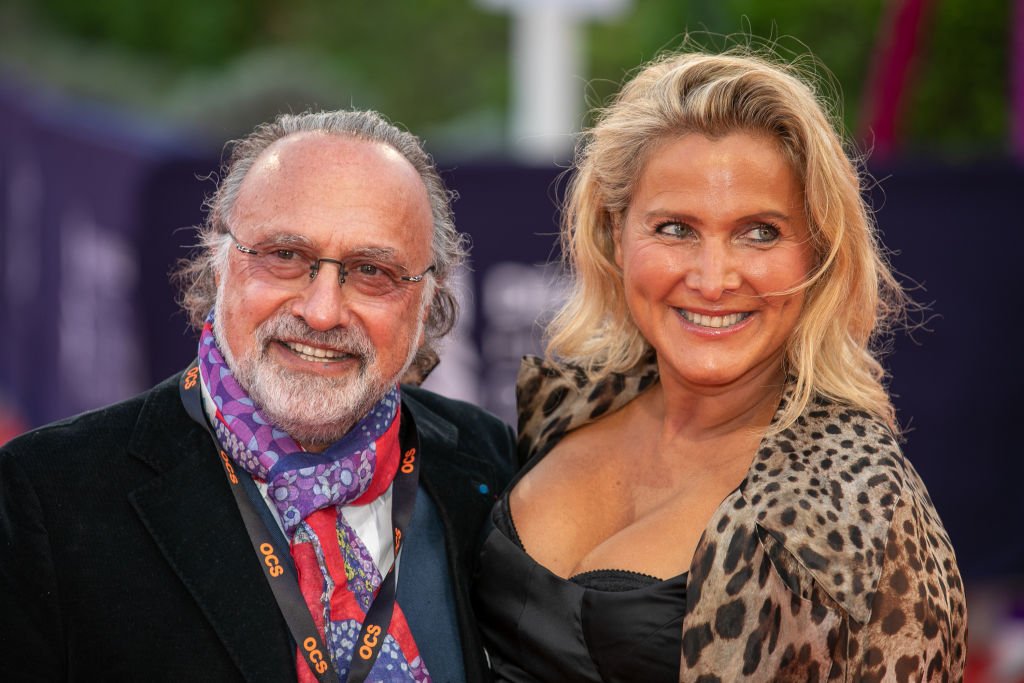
pixel 851 295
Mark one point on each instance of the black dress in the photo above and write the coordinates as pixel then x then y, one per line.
pixel 607 625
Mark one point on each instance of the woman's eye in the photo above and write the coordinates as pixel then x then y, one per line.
pixel 673 229
pixel 764 233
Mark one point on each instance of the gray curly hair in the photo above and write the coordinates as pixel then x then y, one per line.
pixel 195 275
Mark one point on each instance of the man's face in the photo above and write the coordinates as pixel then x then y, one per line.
pixel 316 355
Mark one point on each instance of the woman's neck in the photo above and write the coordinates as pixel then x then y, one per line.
pixel 698 413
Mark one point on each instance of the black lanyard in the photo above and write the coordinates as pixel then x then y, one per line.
pixel 281 575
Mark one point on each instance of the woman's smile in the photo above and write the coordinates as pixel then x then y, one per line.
pixel 719 321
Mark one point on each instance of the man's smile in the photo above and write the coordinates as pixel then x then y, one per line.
pixel 315 354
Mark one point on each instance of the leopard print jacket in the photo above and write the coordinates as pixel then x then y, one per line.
pixel 828 562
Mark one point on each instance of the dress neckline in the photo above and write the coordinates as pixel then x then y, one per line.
pixel 505 525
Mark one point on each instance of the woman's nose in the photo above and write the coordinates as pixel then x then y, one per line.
pixel 713 272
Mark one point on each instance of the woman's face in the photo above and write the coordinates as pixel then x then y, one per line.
pixel 715 229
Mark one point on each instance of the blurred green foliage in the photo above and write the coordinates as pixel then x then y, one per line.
pixel 441 66
pixel 840 36
pixel 960 103
pixel 182 33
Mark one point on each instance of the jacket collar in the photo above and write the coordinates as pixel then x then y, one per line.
pixel 189 511
pixel 825 487
pixel 459 483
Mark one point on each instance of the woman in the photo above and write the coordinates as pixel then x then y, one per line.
pixel 713 488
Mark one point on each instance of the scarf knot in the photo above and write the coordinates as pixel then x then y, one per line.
pixel 299 482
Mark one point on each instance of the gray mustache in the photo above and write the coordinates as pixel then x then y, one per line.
pixel 350 340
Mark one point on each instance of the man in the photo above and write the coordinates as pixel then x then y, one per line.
pixel 241 521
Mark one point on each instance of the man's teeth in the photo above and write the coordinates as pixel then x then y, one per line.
pixel 714 320
pixel 313 353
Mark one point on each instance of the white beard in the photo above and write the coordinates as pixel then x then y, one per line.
pixel 314 410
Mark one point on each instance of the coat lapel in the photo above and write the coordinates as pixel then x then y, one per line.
pixel 751 614
pixel 459 484
pixel 189 511
pixel 795 551
pixel 825 489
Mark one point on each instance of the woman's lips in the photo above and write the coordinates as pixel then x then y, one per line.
pixel 714 322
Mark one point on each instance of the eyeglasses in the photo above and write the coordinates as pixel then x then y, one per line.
pixel 290 266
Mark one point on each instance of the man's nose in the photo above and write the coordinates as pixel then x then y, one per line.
pixel 323 303
pixel 713 272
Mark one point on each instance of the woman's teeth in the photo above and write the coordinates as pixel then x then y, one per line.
pixel 714 320
pixel 313 353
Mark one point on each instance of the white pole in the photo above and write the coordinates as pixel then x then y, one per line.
pixel 548 72
pixel 547 83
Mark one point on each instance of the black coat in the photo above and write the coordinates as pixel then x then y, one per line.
pixel 123 555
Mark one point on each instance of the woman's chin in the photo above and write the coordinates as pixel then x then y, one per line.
pixel 718 373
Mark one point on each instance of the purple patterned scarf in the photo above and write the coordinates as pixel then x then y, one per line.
pixel 299 482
